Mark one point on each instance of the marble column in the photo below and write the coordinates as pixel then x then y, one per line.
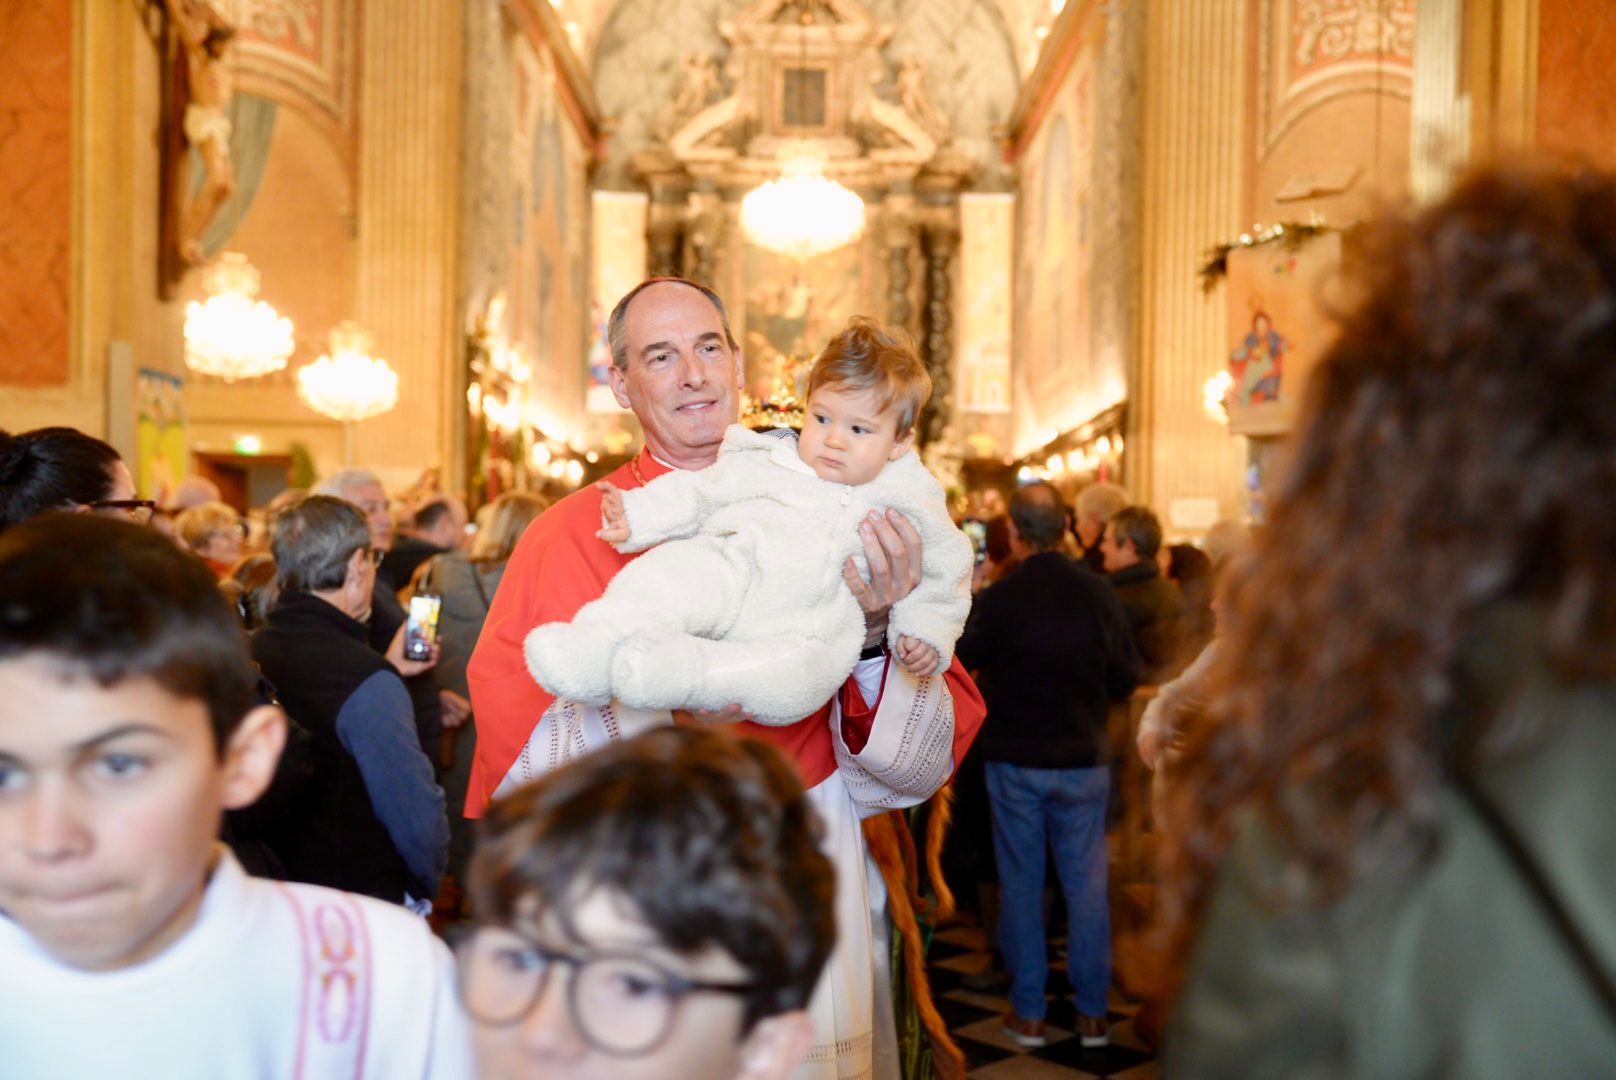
pixel 941 241
pixel 662 245
pixel 899 241
pixel 1194 112
pixel 704 237
pixel 665 232
pixel 408 209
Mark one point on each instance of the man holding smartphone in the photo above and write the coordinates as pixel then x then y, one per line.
pixel 373 818
pixel 362 488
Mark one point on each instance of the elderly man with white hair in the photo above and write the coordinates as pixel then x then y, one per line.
pixel 1097 504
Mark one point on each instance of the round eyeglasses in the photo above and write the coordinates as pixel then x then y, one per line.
pixel 621 1003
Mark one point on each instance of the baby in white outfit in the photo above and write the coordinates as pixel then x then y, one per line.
pixel 743 600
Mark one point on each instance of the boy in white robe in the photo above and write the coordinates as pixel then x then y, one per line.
pixel 743 601
pixel 131 943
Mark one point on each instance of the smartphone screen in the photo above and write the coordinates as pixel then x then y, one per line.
pixel 421 632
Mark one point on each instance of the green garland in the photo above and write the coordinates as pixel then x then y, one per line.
pixel 1290 234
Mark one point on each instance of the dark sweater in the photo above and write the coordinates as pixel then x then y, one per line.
pixel 372 821
pixel 1051 650
pixel 1155 611
pixel 405 556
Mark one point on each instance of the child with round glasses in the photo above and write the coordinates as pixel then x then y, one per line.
pixel 657 909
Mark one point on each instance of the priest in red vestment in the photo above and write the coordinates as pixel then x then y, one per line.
pixel 888 739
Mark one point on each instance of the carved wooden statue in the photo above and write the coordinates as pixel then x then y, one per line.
pixel 204 36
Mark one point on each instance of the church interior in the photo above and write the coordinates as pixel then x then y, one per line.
pixel 1082 211
pixel 262 241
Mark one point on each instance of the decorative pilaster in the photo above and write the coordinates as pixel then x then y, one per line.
pixel 408 205
pixel 937 321
pixel 1439 128
pixel 1194 112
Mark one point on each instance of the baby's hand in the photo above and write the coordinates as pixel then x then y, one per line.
pixel 917 657
pixel 613 518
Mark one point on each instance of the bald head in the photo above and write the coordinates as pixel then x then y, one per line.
pixel 617 322
pixel 1038 515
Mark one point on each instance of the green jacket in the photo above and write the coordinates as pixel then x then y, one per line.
pixel 1439 961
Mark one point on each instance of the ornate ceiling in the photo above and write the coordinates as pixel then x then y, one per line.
pixel 957 56
pixel 1024 21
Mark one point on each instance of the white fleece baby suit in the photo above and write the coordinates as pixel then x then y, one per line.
pixel 742 599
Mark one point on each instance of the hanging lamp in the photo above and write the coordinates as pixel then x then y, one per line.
pixel 802 212
pixel 232 334
pixel 348 383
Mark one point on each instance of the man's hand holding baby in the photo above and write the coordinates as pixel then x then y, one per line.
pixel 613 518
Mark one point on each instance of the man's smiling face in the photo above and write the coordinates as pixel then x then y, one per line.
pixel 682 378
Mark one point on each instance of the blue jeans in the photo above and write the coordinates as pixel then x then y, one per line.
pixel 1063 808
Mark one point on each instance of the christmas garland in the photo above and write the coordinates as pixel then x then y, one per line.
pixel 1291 234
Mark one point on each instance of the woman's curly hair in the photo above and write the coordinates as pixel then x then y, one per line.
pixel 1457 449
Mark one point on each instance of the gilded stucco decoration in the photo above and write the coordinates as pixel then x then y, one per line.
pixel 1331 31
pixel 301 52
pixel 1314 51
pixel 947 65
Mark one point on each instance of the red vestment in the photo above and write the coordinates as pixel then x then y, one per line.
pixel 559 566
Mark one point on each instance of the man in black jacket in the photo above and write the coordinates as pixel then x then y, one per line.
pixel 361 488
pixel 372 819
pixel 1154 606
pixel 1051 650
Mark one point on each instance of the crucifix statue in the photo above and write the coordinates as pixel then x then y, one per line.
pixel 204 35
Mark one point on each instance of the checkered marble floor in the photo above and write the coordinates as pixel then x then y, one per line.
pixel 974 1019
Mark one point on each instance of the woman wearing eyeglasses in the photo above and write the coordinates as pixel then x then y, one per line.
pixel 214 532
pixel 61 468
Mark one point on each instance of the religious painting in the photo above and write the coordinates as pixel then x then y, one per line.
pixel 619 246
pixel 1277 330
pixel 793 307
pixel 548 200
pixel 986 241
pixel 159 433
pixel 1063 376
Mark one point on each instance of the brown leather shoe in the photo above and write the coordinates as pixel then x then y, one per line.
pixel 1028 1033
pixel 1093 1031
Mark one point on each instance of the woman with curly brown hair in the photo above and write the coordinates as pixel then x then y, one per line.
pixel 1392 845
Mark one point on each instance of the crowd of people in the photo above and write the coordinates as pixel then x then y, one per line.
pixel 230 785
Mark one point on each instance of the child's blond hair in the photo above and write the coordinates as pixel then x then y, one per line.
pixel 865 356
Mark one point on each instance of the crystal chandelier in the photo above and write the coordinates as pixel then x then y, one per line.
pixel 802 213
pixel 231 334
pixel 348 383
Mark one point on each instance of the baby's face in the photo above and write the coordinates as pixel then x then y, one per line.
pixel 847 437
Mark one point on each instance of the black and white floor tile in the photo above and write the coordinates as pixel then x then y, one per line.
pixel 974 1019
